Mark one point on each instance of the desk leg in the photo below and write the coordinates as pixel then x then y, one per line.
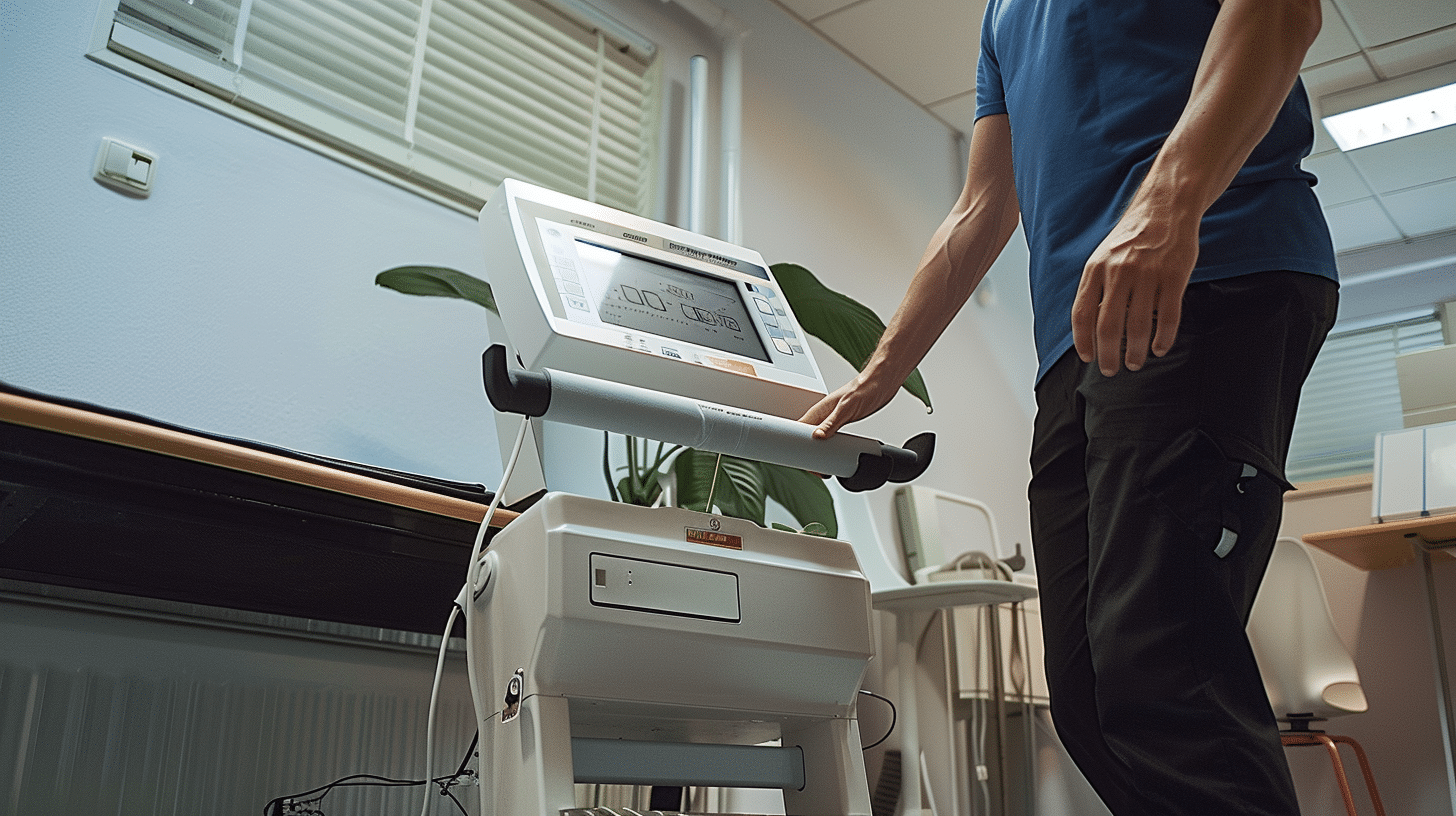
pixel 1443 680
pixel 908 625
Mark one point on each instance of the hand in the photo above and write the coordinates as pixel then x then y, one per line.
pixel 1133 286
pixel 854 400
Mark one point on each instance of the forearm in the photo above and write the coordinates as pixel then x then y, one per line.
pixel 1247 68
pixel 959 254
pixel 958 257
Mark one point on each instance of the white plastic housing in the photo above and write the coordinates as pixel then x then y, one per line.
pixel 665 627
pixel 587 289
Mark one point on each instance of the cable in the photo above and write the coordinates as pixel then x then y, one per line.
pixel 473 569
pixel 472 575
pixel 465 760
pixel 434 698
pixel 894 717
pixel 276 806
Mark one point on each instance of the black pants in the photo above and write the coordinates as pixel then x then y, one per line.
pixel 1156 498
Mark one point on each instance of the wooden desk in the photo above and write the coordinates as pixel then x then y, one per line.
pixel 33 413
pixel 1394 544
pixel 1385 545
pixel 95 501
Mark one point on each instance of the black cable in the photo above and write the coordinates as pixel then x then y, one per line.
pixel 469 752
pixel 445 791
pixel 894 715
pixel 275 806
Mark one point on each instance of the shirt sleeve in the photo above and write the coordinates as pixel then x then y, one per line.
pixel 990 95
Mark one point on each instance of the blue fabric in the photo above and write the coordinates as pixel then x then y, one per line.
pixel 1092 88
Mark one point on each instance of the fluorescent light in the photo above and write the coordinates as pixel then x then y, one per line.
pixel 1389 110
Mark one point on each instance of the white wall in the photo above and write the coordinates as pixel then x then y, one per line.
pixel 239 297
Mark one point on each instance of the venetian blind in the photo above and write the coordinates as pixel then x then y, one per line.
pixel 452 94
pixel 1351 395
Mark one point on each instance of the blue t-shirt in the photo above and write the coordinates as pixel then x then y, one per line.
pixel 1092 89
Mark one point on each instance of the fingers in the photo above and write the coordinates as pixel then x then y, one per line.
pixel 1111 323
pixel 831 423
pixel 1138 330
pixel 1116 326
pixel 853 401
pixel 1085 310
pixel 826 415
pixel 1169 315
pixel 1100 321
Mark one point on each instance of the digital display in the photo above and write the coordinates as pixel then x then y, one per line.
pixel 668 301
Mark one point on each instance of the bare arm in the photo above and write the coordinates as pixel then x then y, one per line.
pixel 960 253
pixel 1137 276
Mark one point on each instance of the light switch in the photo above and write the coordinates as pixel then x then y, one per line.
pixel 118 159
pixel 140 170
pixel 125 168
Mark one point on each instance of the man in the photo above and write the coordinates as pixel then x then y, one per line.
pixel 1183 280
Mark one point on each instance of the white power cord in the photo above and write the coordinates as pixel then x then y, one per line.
pixel 467 593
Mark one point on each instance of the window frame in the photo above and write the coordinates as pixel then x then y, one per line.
pixel 1342 452
pixel 153 60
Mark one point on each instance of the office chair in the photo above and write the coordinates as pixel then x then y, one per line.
pixel 1308 672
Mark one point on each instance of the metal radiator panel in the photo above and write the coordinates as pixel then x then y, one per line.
pixel 106 710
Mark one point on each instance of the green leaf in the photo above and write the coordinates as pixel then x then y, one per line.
pixel 645 496
pixel 843 323
pixel 740 490
pixel 813 528
pixel 607 464
pixel 803 494
pixel 437 281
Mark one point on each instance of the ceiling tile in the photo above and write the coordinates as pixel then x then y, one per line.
pixel 1334 41
pixel 1424 210
pixel 1377 22
pixel 1425 51
pixel 1338 181
pixel 927 48
pixel 1333 77
pixel 1360 223
pixel 959 112
pixel 1323 141
pixel 1408 162
pixel 811 9
pixel 1340 75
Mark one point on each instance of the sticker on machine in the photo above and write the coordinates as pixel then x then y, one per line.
pixel 713 538
pixel 736 366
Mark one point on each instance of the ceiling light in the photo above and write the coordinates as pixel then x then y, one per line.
pixel 1405 106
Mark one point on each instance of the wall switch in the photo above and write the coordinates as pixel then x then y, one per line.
pixel 125 168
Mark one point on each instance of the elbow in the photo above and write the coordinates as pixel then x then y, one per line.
pixel 1295 22
pixel 1303 21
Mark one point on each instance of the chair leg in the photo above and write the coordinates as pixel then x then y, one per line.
pixel 1365 769
pixel 1289 739
pixel 1340 773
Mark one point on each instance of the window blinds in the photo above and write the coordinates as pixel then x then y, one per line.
pixel 1351 395
pixel 455 94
